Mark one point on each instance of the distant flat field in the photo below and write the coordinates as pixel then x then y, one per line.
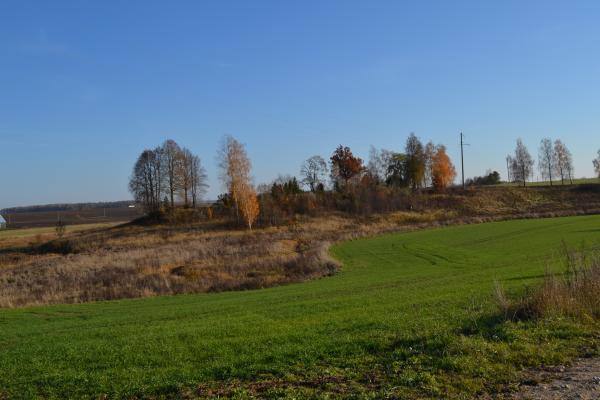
pixel 32 219
pixel 25 232
pixel 578 181
pixel 22 236
pixel 410 315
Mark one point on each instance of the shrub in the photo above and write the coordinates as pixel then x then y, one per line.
pixel 492 178
pixel 61 229
pixel 575 293
pixel 58 246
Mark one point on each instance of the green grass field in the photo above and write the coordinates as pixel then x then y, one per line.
pixel 409 315
pixel 555 182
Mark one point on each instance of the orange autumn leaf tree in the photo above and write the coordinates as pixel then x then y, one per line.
pixel 345 165
pixel 248 205
pixel 442 169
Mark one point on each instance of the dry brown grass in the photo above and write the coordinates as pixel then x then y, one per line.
pixel 133 261
pixel 209 255
pixel 574 293
pixel 140 261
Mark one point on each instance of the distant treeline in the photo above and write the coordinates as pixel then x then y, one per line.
pixel 66 207
pixel 170 175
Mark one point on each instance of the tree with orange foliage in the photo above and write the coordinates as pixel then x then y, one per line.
pixel 345 165
pixel 442 169
pixel 248 205
pixel 235 174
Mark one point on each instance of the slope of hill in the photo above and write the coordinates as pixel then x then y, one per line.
pixel 193 253
pixel 408 316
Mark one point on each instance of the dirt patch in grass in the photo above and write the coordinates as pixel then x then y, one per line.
pixel 579 381
pixel 336 386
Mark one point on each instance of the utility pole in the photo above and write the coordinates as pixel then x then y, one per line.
pixel 462 159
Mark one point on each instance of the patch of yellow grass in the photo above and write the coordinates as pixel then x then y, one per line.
pixel 23 236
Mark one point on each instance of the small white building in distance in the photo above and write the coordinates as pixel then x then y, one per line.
pixel 2 223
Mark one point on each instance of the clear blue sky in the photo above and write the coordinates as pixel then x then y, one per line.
pixel 85 86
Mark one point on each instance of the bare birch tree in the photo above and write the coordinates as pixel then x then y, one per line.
pixel 570 168
pixel 522 163
pixel 146 182
pixel 314 172
pixel 509 165
pixel 562 160
pixel 184 175
pixel 428 155
pixel 546 159
pixel 197 174
pixel 172 160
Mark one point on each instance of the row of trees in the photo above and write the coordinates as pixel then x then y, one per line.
pixel 166 173
pixel 417 167
pixel 554 161
pixel 169 173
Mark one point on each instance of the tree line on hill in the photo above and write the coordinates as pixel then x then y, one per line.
pixel 419 166
pixel 344 182
pixel 169 172
pixel 554 161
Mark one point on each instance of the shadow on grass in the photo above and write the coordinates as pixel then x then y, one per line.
pixel 589 231
pixel 525 277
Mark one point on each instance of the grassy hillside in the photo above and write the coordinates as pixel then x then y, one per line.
pixel 188 252
pixel 409 315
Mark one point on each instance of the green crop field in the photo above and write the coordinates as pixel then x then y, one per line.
pixel 555 182
pixel 409 315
